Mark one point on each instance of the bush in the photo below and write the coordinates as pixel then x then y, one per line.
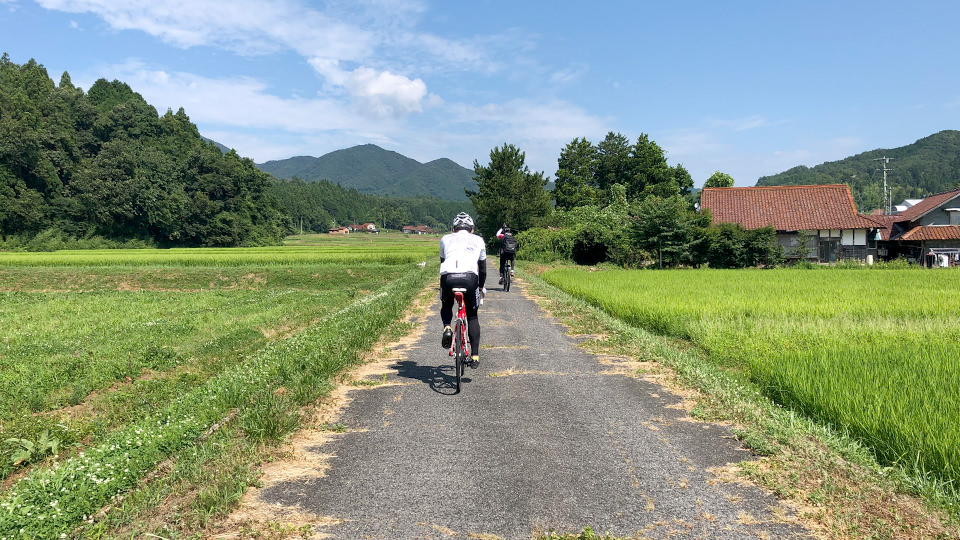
pixel 546 244
pixel 55 239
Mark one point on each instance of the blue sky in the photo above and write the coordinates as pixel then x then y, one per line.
pixel 749 88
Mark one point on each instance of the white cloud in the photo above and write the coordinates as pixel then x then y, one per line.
pixel 239 101
pixel 382 93
pixel 245 26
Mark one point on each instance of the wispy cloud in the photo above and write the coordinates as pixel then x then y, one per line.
pixel 742 124
pixel 570 74
pixel 351 44
pixel 247 27
pixel 235 101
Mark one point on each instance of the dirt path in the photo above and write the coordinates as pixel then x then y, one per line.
pixel 543 436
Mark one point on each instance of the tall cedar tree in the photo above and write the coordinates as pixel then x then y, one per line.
pixel 507 193
pixel 586 172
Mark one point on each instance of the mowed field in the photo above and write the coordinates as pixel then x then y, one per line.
pixel 114 362
pixel 873 352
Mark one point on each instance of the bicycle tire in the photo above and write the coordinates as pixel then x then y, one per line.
pixel 506 278
pixel 459 357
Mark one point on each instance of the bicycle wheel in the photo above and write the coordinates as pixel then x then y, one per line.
pixel 506 278
pixel 459 354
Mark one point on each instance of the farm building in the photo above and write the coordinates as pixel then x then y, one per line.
pixel 339 230
pixel 922 227
pixel 817 223
pixel 417 229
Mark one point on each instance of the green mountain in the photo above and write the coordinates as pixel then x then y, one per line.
pixel 930 165
pixel 371 169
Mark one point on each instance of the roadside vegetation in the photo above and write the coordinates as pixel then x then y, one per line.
pixel 843 379
pixel 153 381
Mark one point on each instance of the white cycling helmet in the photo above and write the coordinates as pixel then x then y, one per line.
pixel 463 221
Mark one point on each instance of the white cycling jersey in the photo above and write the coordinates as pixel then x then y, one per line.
pixel 461 252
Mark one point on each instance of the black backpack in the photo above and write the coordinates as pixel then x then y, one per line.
pixel 508 243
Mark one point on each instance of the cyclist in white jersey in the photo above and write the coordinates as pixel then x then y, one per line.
pixel 463 263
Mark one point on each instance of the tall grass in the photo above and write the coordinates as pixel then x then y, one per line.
pixel 873 352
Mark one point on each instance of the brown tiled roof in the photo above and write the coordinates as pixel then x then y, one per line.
pixel 916 211
pixel 884 223
pixel 786 208
pixel 932 232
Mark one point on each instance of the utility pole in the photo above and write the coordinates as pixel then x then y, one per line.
pixel 886 195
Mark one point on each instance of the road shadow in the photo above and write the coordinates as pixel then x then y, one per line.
pixel 441 379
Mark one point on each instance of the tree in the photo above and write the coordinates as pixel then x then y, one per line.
pixel 719 179
pixel 613 162
pixel 670 232
pixel 576 169
pixel 507 192
pixel 649 173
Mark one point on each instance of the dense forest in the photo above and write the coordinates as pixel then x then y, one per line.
pixel 102 169
pixel 928 166
pixel 318 206
pixel 105 164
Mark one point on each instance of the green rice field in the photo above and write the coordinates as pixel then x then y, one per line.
pixel 875 352
pixel 116 360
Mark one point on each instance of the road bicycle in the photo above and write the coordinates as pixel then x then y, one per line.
pixel 460 346
pixel 507 274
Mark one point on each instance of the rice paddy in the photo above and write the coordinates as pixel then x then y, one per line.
pixel 121 359
pixel 872 352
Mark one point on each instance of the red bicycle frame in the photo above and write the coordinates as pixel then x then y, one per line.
pixel 461 316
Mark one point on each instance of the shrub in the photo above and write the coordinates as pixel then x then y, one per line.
pixel 546 244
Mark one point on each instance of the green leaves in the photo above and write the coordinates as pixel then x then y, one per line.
pixel 104 163
pixel 28 451
pixel 507 192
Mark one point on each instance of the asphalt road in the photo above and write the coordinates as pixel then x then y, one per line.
pixel 543 436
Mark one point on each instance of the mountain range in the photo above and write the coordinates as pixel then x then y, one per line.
pixel 373 170
pixel 929 166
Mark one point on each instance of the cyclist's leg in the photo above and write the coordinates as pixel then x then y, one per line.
pixel 446 310
pixel 471 301
pixel 513 262
pixel 446 301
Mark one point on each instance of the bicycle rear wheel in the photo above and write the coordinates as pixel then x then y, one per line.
pixel 459 352
pixel 506 278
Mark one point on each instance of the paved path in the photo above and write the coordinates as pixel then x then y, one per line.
pixel 542 436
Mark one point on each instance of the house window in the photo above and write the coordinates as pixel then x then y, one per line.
pixel 954 214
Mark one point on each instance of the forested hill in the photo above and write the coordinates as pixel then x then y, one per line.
pixel 930 165
pixel 104 164
pixel 373 170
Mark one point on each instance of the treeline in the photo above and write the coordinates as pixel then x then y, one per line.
pixel 928 166
pixel 616 202
pixel 103 164
pixel 321 205
pixel 103 169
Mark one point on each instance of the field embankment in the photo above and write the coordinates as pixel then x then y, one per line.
pixel 126 360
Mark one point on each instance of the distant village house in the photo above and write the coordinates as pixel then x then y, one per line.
pixel 417 229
